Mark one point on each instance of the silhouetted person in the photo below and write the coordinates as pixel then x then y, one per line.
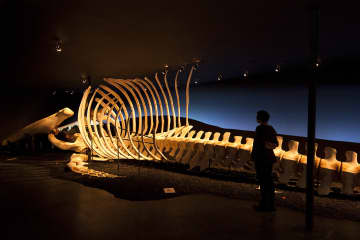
pixel 263 156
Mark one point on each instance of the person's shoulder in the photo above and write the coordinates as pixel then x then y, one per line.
pixel 271 128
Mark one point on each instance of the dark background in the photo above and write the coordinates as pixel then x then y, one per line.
pixel 136 38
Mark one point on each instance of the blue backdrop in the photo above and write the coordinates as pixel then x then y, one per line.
pixel 232 107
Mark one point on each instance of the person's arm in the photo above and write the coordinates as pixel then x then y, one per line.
pixel 271 145
pixel 254 149
pixel 272 142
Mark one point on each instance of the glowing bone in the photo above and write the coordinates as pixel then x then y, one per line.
pixel 44 125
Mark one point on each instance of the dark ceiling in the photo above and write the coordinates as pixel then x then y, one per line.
pixel 117 38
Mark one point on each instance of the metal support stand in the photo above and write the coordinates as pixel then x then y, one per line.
pixel 118 154
pixel 139 163
pixel 117 139
pixel 91 150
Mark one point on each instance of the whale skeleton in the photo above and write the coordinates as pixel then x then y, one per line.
pixel 109 126
pixel 136 119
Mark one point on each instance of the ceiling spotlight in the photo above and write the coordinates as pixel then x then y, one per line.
pixel 277 68
pixel 317 62
pixel 246 74
pixel 166 68
pixel 219 78
pixel 58 46
pixel 316 65
pixel 85 79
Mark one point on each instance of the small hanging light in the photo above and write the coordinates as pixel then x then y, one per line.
pixel 58 46
pixel 246 74
pixel 277 68
pixel 166 68
pixel 85 79
pixel 317 62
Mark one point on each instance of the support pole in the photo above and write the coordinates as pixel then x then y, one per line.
pixel 314 23
pixel 117 139
pixel 118 153
pixel 91 149
pixel 310 156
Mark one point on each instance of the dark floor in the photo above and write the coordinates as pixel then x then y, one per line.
pixel 37 204
pixel 146 180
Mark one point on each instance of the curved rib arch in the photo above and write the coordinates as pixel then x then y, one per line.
pixel 104 111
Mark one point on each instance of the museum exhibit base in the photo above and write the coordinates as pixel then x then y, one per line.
pixel 145 180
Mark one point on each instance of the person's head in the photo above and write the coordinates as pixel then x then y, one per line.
pixel 262 117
